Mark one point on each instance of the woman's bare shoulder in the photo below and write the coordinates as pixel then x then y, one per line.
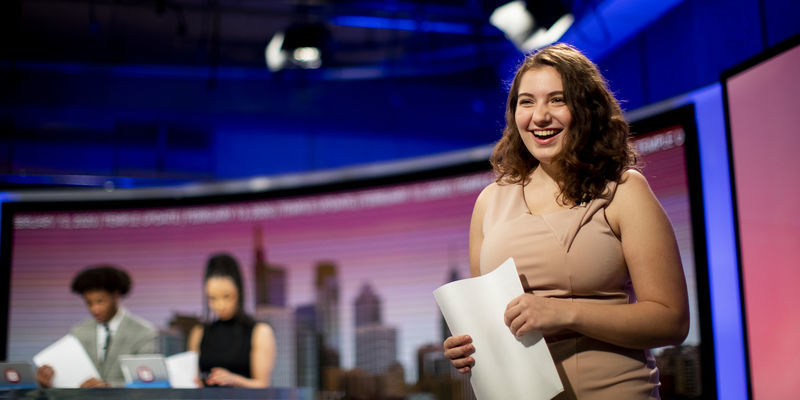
pixel 485 193
pixel 262 329
pixel 262 334
pixel 632 185
pixel 196 330
pixel 195 337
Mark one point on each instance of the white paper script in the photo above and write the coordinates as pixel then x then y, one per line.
pixel 505 366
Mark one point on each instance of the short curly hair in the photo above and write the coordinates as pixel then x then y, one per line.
pixel 102 277
pixel 596 150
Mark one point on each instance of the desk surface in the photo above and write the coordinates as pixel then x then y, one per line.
pixel 205 393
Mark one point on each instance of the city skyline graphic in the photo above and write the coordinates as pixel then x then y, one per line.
pixel 400 240
pixel 344 278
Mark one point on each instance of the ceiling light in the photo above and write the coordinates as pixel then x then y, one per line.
pixel 300 46
pixel 308 57
pixel 532 24
pixel 276 58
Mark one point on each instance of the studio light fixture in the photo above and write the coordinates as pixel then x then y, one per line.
pixel 275 57
pixel 300 46
pixel 532 24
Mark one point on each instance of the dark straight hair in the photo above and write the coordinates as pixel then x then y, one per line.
pixel 223 265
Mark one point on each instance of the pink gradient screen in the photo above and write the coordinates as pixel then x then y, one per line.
pixel 402 240
pixel 764 116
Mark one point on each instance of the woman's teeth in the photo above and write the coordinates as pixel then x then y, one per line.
pixel 546 134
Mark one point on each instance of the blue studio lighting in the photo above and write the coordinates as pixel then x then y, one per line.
pixel 402 24
pixel 723 273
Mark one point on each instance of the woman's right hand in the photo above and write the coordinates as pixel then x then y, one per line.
pixel 458 350
pixel 44 375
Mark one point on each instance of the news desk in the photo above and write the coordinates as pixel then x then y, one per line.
pixel 205 393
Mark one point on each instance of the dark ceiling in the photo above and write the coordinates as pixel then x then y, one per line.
pixel 63 60
pixel 236 32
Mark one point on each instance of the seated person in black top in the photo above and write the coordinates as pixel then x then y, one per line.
pixel 234 349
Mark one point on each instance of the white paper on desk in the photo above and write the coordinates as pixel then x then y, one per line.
pixel 71 364
pixel 182 370
pixel 505 367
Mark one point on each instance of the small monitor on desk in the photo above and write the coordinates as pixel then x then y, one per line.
pixel 144 371
pixel 17 375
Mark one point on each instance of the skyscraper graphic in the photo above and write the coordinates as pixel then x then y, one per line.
pixel 326 287
pixel 376 348
pixel 270 296
pixel 368 307
pixel 453 277
pixel 282 321
pixel 679 370
pixel 327 304
pixel 308 343
pixel 270 280
pixel 435 373
pixel 431 362
pixel 376 344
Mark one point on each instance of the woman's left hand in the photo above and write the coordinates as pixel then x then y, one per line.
pixel 221 377
pixel 529 312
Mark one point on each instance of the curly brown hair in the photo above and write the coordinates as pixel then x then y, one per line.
pixel 595 150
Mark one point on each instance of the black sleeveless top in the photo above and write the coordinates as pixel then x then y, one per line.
pixel 227 344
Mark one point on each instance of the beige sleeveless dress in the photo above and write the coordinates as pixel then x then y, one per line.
pixel 573 254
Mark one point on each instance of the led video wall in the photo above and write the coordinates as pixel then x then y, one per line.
pixel 394 244
pixel 762 112
pixel 667 145
pixel 381 248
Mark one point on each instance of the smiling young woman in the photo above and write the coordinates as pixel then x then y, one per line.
pixel 595 251
pixel 542 115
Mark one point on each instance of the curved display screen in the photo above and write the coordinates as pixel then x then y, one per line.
pixel 344 274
